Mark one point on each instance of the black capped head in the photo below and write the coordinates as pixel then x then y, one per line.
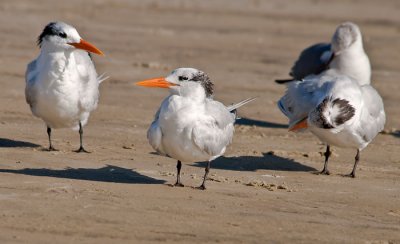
pixel 52 29
pixel 59 36
pixel 331 113
pixel 181 75
pixel 58 33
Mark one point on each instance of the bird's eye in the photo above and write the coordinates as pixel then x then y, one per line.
pixel 62 35
pixel 182 78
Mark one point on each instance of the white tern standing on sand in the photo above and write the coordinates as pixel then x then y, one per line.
pixel 62 86
pixel 190 126
pixel 345 54
pixel 336 109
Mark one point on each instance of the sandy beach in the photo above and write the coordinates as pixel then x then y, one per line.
pixel 264 190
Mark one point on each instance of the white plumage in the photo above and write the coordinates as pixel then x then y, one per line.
pixel 349 56
pixel 345 54
pixel 335 108
pixel 62 85
pixel 204 126
pixel 190 126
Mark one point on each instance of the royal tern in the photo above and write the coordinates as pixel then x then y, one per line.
pixel 345 54
pixel 336 109
pixel 62 86
pixel 190 126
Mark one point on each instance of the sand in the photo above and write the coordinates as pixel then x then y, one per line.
pixel 263 190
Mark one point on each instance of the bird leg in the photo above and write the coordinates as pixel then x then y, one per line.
pixel 203 185
pixel 178 175
pixel 357 158
pixel 327 154
pixel 51 148
pixel 81 149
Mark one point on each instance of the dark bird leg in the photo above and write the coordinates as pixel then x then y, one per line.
pixel 327 154
pixel 203 185
pixel 51 148
pixel 357 158
pixel 81 149
pixel 178 175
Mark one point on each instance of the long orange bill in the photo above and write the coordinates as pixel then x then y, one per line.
pixel 87 47
pixel 300 125
pixel 156 82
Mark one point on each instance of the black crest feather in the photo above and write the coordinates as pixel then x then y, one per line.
pixel 52 29
pixel 321 119
pixel 347 111
pixel 205 81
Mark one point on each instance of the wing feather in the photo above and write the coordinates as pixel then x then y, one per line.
pixel 30 78
pixel 312 60
pixel 373 116
pixel 215 131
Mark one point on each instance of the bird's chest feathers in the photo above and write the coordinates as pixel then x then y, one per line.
pixel 61 83
pixel 63 74
pixel 179 113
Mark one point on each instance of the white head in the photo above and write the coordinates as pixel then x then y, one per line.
pixel 183 81
pixel 59 36
pixel 329 114
pixel 346 35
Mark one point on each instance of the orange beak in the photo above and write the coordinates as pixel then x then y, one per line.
pixel 300 125
pixel 84 45
pixel 156 82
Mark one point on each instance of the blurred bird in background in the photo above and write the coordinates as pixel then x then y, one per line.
pixel 345 54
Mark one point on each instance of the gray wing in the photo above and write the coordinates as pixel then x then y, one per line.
pixel 154 133
pixel 215 132
pixel 30 79
pixel 373 116
pixel 303 96
pixel 88 80
pixel 312 60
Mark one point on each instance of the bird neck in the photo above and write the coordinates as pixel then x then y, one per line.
pixel 355 49
pixel 192 90
pixel 353 62
pixel 54 63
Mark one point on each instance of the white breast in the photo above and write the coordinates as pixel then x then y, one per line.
pixel 64 89
pixel 186 130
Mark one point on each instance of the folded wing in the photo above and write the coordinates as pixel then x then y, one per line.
pixel 215 131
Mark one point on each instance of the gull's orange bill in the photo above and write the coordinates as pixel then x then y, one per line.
pixel 84 45
pixel 300 125
pixel 156 82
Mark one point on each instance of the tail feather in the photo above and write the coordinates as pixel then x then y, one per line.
pixel 241 103
pixel 283 81
pixel 286 106
pixel 102 77
pixel 282 107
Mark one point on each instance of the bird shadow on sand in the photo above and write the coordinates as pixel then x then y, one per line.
pixel 260 123
pixel 4 142
pixel 108 173
pixel 252 163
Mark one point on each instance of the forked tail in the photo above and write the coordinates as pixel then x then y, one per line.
pixel 241 103
pixel 102 77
